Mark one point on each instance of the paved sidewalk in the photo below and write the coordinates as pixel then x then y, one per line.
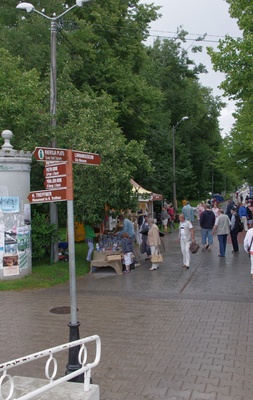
pixel 170 334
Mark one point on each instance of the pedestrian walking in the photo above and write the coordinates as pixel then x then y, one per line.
pixel 153 241
pixel 188 212
pixel 200 208
pixel 243 214
pixel 128 250
pixel 249 214
pixel 235 220
pixel 222 228
pixel 185 237
pixel 128 227
pixel 165 219
pixel 215 209
pixel 144 238
pixel 171 220
pixel 230 205
pixel 207 221
pixel 248 247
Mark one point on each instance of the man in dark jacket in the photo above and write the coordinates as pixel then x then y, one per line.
pixel 229 207
pixel 207 221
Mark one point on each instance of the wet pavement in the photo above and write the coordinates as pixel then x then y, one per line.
pixel 169 334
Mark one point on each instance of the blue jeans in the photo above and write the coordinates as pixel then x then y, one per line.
pixel 222 244
pixel 91 248
pixel 207 234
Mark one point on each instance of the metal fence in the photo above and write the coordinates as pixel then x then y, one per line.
pixel 51 364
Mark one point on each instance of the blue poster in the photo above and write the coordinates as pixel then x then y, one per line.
pixel 9 204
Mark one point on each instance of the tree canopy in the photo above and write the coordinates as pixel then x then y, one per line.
pixel 234 59
pixel 115 96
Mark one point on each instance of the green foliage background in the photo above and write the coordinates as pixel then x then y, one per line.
pixel 115 96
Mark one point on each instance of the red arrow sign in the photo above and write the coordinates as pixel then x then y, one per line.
pixel 56 182
pixel 81 157
pixel 50 154
pixel 47 196
pixel 54 170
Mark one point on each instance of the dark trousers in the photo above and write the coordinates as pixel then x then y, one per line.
pixel 222 244
pixel 234 240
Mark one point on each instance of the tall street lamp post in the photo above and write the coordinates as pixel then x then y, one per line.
pixel 73 363
pixel 174 127
pixel 53 94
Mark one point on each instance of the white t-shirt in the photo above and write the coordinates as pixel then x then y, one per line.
pixel 182 229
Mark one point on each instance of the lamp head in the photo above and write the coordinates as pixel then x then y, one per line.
pixel 26 6
pixel 80 3
pixel 185 118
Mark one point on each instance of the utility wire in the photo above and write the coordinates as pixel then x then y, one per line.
pixel 163 33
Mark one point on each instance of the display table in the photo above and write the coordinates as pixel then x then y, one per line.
pixel 100 260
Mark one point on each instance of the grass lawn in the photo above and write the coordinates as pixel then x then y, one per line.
pixel 46 274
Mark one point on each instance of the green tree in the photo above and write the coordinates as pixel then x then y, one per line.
pixel 234 59
pixel 101 46
pixel 22 103
pixel 88 123
pixel 197 139
pixel 117 97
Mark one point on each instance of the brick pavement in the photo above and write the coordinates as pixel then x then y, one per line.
pixel 170 334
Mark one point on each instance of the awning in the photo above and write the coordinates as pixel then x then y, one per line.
pixel 144 194
pixel 157 197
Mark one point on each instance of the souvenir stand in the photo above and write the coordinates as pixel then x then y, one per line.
pixel 108 253
pixel 146 198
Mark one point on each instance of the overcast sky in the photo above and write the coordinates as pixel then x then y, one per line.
pixel 198 17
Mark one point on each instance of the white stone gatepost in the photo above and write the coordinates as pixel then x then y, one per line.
pixel 15 211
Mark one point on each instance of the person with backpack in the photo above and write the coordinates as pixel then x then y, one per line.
pixel 235 227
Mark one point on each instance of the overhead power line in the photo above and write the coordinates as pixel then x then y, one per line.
pixel 200 37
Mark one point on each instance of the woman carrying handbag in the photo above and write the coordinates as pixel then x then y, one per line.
pixel 153 241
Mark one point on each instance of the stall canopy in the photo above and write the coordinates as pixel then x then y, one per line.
pixel 146 198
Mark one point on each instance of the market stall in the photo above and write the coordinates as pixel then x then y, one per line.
pixel 147 200
pixel 108 253
pixel 107 258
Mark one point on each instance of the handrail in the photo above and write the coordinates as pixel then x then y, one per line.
pixel 82 358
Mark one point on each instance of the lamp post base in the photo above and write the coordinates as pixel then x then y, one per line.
pixel 73 363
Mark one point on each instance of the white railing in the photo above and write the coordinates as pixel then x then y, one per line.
pixel 82 358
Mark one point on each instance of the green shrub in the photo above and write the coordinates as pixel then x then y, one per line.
pixel 43 232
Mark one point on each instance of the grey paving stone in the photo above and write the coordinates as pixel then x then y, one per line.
pixel 173 335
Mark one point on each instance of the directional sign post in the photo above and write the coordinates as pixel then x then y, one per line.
pixel 80 157
pixel 54 170
pixel 48 196
pixel 50 154
pixel 59 183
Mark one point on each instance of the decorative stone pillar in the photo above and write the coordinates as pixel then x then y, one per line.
pixel 15 211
